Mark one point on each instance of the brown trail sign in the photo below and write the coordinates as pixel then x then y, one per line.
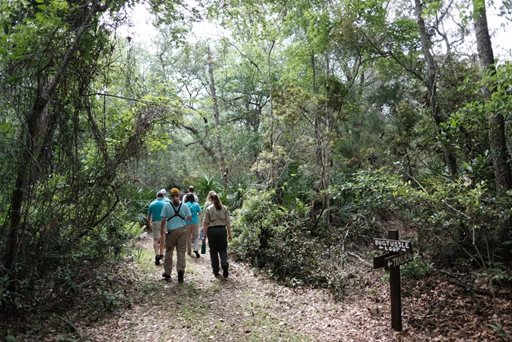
pixel 399 252
pixel 389 245
pixel 397 260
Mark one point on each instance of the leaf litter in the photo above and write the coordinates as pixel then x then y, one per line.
pixel 249 305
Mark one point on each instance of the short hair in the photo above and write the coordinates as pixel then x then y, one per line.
pixel 190 198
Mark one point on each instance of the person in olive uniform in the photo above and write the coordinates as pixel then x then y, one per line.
pixel 217 229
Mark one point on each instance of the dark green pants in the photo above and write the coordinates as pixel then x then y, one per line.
pixel 218 244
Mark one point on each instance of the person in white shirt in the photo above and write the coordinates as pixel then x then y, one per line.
pixel 190 191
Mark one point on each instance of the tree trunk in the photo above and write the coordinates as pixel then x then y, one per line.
pixel 431 84
pixel 322 129
pixel 216 115
pixel 497 135
pixel 37 130
pixel 497 132
pixel 272 118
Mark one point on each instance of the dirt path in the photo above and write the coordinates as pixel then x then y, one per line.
pixel 246 307
pixel 137 305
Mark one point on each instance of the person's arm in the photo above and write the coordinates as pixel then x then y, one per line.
pixel 162 226
pixel 148 222
pixel 228 226
pixel 163 213
pixel 197 210
pixel 205 229
pixel 205 223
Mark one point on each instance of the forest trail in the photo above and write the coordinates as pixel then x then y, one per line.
pixel 247 306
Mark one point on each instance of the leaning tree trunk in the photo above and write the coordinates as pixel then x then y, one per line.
pixel 497 135
pixel 216 115
pixel 431 84
pixel 37 123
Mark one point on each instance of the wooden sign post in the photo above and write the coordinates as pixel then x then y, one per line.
pixel 399 252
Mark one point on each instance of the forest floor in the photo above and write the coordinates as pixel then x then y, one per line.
pixel 249 306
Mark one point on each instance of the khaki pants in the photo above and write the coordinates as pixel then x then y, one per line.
pixel 176 238
pixel 192 238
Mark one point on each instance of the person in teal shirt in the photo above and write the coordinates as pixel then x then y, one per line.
pixel 175 217
pixel 193 225
pixel 154 217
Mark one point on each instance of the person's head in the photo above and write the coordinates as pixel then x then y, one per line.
pixel 175 195
pixel 216 201
pixel 163 191
pixel 209 198
pixel 159 194
pixel 190 198
pixel 190 188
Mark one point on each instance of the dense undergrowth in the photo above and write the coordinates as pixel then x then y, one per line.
pixel 451 224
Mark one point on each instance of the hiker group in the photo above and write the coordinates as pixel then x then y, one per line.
pixel 175 223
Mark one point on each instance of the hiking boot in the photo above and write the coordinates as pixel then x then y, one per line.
pixel 197 254
pixel 225 272
pixel 157 260
pixel 166 276
pixel 180 276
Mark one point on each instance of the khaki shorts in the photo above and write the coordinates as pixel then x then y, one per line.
pixel 155 226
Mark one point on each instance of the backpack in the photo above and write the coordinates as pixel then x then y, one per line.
pixel 176 212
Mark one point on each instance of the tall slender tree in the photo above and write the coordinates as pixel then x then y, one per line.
pixel 432 74
pixel 497 133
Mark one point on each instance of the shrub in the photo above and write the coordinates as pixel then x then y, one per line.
pixel 280 240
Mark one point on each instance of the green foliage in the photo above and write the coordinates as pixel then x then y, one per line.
pixel 448 219
pixel 325 126
pixel 235 197
pixel 255 222
pixel 110 300
pixel 79 206
pixel 416 269
pixel 497 274
pixel 282 241
pixel 206 184
pixel 502 332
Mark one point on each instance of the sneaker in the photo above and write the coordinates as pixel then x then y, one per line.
pixel 166 276
pixel 180 276
pixel 225 272
pixel 197 254
pixel 157 260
